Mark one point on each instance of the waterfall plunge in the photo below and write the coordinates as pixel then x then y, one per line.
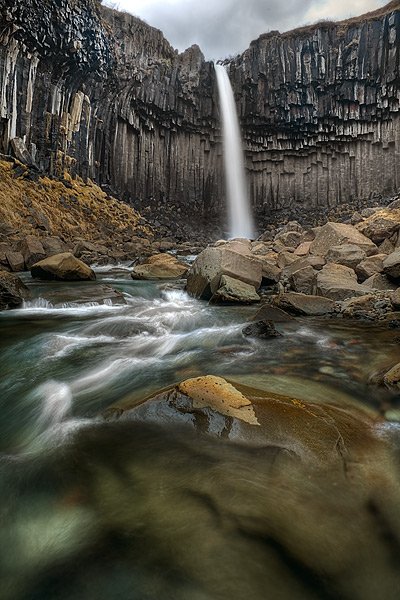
pixel 240 219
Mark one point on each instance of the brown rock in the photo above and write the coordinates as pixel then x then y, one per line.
pixel 15 261
pixel 381 225
pixel 395 298
pixel 348 255
pixel 391 265
pixel 160 266
pixel 369 266
pixel 303 280
pixel 392 377
pixel 205 274
pixel 12 291
pixel 32 250
pixel 338 282
pixel 62 267
pixel 379 282
pixel 303 249
pixel 335 234
pixel 302 304
pixel 234 291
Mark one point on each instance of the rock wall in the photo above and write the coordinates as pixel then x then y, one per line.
pixel 105 95
pixel 320 112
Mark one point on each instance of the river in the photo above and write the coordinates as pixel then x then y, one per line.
pixel 74 350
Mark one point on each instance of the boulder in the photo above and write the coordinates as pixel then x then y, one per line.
pixel 290 239
pixel 391 265
pixel 348 255
pixel 392 377
pixel 303 249
pixel 286 258
pixel 395 298
pixel 16 261
pixel 62 267
pixel 12 291
pixel 379 282
pixel 338 282
pixel 268 312
pixel 270 272
pixel 160 266
pixel 370 266
pixel 381 225
pixel 234 291
pixel 303 280
pixel 302 304
pixel 32 250
pixel 261 329
pixel 387 247
pixel 204 276
pixel 54 245
pixel 335 234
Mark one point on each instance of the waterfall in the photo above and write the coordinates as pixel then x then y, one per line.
pixel 240 218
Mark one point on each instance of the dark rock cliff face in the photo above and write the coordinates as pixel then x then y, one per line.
pixel 104 95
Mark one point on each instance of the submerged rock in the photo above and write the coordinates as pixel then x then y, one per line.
pixel 261 329
pixel 62 267
pixel 12 291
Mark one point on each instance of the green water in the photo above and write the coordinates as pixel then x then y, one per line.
pixel 97 510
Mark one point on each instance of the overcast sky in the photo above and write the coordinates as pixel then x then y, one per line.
pixel 226 27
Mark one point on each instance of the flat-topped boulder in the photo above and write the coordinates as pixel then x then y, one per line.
pixel 62 267
pixel 204 276
pixel 303 304
pixel 336 234
pixel 12 291
pixel 160 266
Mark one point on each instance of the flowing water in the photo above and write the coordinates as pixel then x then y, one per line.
pixel 240 218
pixel 73 516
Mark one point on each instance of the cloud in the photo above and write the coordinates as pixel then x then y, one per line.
pixel 225 27
pixel 341 9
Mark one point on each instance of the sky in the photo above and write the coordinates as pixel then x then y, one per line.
pixel 224 28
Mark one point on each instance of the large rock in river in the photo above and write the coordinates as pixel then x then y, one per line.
pixel 204 277
pixel 160 266
pixel 234 291
pixel 12 291
pixel 63 267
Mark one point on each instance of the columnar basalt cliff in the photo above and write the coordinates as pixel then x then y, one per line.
pixel 320 111
pixel 104 95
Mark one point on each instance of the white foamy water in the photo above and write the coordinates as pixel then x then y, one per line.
pixel 56 402
pixel 240 219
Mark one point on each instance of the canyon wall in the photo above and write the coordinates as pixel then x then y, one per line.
pixel 104 95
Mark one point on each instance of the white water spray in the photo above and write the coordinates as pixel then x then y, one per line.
pixel 240 219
